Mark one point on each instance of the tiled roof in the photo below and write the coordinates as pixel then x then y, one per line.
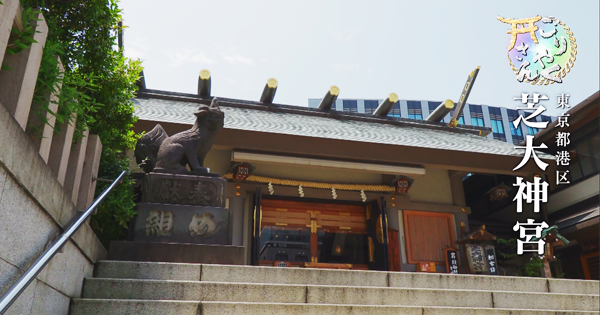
pixel 413 133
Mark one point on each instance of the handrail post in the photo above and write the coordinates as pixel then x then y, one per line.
pixel 16 289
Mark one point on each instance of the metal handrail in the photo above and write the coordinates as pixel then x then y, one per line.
pixel 13 293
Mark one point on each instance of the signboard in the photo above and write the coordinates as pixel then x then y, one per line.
pixel 451 260
pixel 426 267
pixel 490 254
pixel 476 258
pixel 281 264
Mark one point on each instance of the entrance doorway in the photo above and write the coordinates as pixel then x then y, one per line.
pixel 312 232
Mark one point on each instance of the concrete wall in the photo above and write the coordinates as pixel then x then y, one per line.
pixel 34 209
pixel 434 187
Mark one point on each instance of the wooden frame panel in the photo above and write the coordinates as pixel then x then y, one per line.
pixel 584 263
pixel 333 217
pixel 318 206
pixel 430 232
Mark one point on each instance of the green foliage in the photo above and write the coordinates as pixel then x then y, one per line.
pixel 98 85
pixel 113 215
pixel 70 86
pixel 530 268
pixel 511 243
pixel 22 39
pixel 114 122
pixel 533 266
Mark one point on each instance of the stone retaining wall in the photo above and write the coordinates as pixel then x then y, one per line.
pixel 41 182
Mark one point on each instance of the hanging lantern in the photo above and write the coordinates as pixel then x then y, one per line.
pixel 241 172
pixel 402 184
pixel 499 192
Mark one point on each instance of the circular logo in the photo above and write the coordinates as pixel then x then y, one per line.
pixel 541 50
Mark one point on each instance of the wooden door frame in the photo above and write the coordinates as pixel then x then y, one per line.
pixel 316 200
pixel 315 211
pixel 586 268
pixel 406 213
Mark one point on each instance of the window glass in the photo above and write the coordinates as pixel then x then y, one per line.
pixel 371 106
pixel 476 115
pixel 414 109
pixel 350 106
pixel 477 122
pixel 287 244
pixel 433 106
pixel 515 131
pixel 395 112
pixel 497 126
pixel 342 248
pixel 532 131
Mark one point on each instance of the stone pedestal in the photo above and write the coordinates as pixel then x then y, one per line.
pixel 176 253
pixel 184 190
pixel 183 209
pixel 168 223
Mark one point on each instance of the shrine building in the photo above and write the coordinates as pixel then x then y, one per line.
pixel 316 187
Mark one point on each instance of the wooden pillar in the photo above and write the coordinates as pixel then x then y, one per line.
pixel 60 150
pixel 546 270
pixel 41 133
pixel 236 206
pixel 17 85
pixel 458 199
pixel 75 167
pixel 90 170
pixel 463 248
pixel 8 12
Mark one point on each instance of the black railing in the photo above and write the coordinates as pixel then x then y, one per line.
pixel 13 293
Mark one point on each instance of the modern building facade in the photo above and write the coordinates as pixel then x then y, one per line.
pixel 497 118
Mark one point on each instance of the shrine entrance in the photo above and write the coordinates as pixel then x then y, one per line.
pixel 316 234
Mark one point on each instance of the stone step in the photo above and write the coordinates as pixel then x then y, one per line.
pixel 128 307
pixel 253 274
pixel 352 295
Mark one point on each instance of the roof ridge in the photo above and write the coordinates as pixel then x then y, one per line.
pixel 195 98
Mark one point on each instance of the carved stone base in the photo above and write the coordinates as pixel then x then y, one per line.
pixel 166 223
pixel 176 253
pixel 184 189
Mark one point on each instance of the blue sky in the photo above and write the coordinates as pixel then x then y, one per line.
pixel 420 50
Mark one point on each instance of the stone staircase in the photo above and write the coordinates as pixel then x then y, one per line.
pixel 120 288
